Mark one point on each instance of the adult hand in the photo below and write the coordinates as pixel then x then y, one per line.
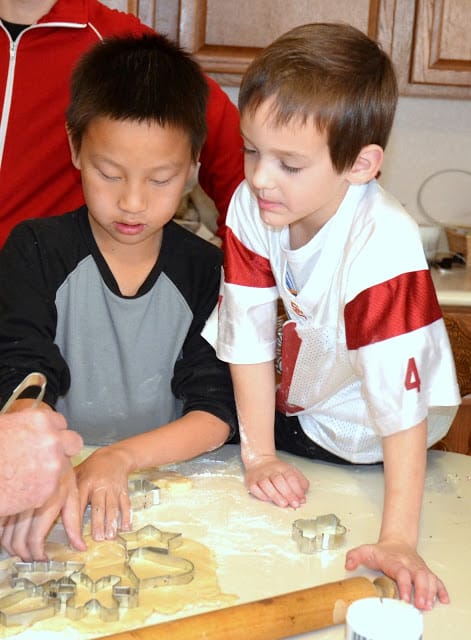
pixel 102 481
pixel 35 447
pixel 270 479
pixel 25 534
pixel 403 564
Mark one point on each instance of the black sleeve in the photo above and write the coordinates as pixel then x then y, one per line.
pixel 28 317
pixel 201 380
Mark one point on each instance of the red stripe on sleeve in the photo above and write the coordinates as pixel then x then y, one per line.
pixel 243 266
pixel 391 308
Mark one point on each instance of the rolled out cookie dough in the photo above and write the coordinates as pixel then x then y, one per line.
pixel 108 558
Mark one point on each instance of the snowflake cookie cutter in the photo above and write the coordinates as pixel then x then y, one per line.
pixel 59 595
pixel 317 534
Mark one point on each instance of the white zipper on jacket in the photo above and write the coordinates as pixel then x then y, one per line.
pixel 11 72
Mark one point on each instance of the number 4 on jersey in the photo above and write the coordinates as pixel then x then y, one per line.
pixel 412 380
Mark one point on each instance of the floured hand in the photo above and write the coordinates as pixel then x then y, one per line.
pixel 270 479
pixel 102 481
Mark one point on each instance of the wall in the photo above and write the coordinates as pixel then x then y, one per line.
pixel 429 135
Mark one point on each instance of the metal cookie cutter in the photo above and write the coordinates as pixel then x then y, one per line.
pixel 135 539
pixel 317 534
pixel 178 570
pixel 143 493
pixel 34 379
pixel 30 573
pixel 59 595
pixel 122 596
pixel 46 607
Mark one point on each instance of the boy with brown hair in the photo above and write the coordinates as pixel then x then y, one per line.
pixel 367 371
pixel 109 301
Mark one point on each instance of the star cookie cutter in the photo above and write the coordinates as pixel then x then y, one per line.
pixel 317 534
pixel 168 540
pixel 59 595
pixel 180 570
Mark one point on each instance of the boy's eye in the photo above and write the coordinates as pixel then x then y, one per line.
pixel 247 150
pixel 289 169
pixel 159 183
pixel 107 177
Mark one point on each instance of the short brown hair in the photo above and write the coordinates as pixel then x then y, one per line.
pixel 332 73
pixel 144 79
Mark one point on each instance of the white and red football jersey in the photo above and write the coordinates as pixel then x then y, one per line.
pixel 365 352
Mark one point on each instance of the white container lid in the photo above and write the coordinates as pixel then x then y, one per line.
pixel 383 619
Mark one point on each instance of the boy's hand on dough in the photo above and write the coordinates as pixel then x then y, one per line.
pixel 103 482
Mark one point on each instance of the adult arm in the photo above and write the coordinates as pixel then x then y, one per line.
pixel 395 552
pixel 35 450
pixel 222 166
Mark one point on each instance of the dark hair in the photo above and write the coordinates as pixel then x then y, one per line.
pixel 144 79
pixel 332 73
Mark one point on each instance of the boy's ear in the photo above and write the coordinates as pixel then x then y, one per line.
pixel 367 165
pixel 194 169
pixel 74 154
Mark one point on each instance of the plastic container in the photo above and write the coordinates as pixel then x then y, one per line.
pixel 383 619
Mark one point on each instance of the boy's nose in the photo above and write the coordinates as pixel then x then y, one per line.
pixel 132 199
pixel 261 176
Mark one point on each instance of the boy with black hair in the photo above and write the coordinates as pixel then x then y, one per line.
pixel 367 370
pixel 45 39
pixel 108 301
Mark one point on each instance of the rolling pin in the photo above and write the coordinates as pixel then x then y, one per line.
pixel 271 618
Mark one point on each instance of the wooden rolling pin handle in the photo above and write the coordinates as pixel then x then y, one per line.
pixel 271 618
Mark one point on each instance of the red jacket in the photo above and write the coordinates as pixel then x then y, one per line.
pixel 37 178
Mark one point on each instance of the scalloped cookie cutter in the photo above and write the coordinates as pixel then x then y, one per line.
pixel 317 534
pixel 59 595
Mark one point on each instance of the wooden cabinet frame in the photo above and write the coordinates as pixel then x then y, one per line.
pixel 227 63
pixel 419 48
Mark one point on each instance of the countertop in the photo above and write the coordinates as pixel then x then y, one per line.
pixel 256 556
pixel 453 286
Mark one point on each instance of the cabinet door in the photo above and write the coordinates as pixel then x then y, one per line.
pixel 161 15
pixel 225 35
pixel 432 47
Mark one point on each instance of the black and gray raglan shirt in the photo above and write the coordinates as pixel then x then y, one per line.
pixel 116 366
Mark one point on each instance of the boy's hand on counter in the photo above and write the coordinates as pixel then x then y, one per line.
pixel 272 480
pixel 102 480
pixel 416 582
